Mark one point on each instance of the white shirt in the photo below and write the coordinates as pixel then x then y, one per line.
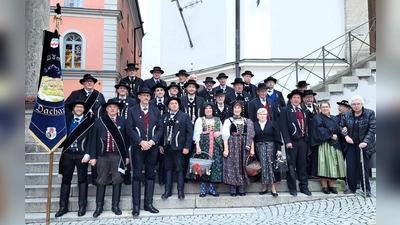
pixel 270 92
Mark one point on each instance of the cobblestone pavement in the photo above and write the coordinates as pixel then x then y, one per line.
pixel 351 209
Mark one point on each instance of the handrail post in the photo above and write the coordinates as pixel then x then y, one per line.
pixel 323 65
pixel 297 72
pixel 350 55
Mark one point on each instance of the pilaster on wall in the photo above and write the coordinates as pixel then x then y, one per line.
pixel 36 20
pixel 356 13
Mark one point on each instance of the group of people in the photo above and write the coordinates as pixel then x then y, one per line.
pixel 154 125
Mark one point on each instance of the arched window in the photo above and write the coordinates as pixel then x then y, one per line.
pixel 73 51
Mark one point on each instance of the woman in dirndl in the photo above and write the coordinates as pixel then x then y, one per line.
pixel 208 139
pixel 327 162
pixel 238 134
pixel 267 141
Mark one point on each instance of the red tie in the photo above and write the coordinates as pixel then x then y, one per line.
pixel 300 118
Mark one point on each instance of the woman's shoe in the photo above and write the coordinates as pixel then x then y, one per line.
pixel 325 190
pixel 274 194
pixel 332 190
pixel 263 192
pixel 233 192
pixel 241 192
pixel 212 191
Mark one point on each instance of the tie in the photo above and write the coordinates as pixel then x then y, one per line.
pixel 158 81
pixel 89 93
pixel 191 99
pixel 172 115
pixel 309 106
pixel 144 109
pixel 263 101
pixel 122 100
pixel 269 91
pixel 76 120
pixel 159 100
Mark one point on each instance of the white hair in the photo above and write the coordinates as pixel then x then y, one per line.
pixel 262 110
pixel 357 97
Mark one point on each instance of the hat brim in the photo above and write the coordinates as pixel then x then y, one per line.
pixel 223 76
pixel 161 71
pixel 210 81
pixel 121 85
pixel 83 80
pixel 171 86
pixel 153 89
pixel 186 74
pixel 273 79
pixel 73 104
pixel 340 103
pixel 134 68
pixel 289 96
pixel 238 83
pixel 144 92
pixel 302 85
pixel 171 99
pixel 314 94
pixel 187 84
pixel 120 106
pixel 252 75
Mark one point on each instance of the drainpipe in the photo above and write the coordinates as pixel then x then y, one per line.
pixel 134 44
pixel 237 39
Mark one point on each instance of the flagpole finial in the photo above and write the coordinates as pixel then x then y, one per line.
pixel 57 17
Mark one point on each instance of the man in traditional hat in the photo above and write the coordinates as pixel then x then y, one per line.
pixel 294 129
pixel 93 98
pixel 239 95
pixel 134 82
pixel 182 77
pixel 159 91
pixel 208 94
pixel 302 85
pixel 192 104
pixel 123 90
pixel 156 71
pixel 173 90
pixel 220 108
pixel 262 102
pixel 222 77
pixel 275 95
pixel 308 104
pixel 249 88
pixel 75 153
pixel 94 101
pixel 196 79
pixel 108 146
pixel 175 145
pixel 144 131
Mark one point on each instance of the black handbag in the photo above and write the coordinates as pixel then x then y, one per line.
pixel 280 165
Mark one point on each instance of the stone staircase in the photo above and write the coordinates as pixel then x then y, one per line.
pixel 336 84
pixel 36 178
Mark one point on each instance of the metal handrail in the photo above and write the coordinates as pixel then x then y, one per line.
pixel 349 37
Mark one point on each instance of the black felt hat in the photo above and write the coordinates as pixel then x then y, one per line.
pixel 344 102
pixel 144 90
pixel 113 101
pixel 238 81
pixel 309 92
pixel 76 102
pixel 87 76
pixel 222 75
pixel 191 82
pixel 262 86
pixel 219 92
pixel 122 84
pixel 131 66
pixel 157 68
pixel 248 72
pixel 295 92
pixel 302 83
pixel 183 72
pixel 270 78
pixel 159 85
pixel 172 98
pixel 209 79
pixel 173 84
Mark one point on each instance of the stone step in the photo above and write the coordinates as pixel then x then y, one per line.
pixel 42 178
pixel 349 80
pixel 335 88
pixel 31 157
pixel 40 167
pixel 362 73
pixel 38 205
pixel 323 96
pixel 372 65
pixel 40 191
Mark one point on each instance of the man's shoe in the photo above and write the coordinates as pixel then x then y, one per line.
pixel 368 194
pixel 136 211
pixel 293 192
pixel 325 190
pixel 348 191
pixel 306 192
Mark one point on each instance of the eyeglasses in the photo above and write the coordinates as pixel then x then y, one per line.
pixel 356 104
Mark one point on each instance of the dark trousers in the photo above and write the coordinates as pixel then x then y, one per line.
pixel 107 168
pixel 68 162
pixel 298 159
pixel 174 159
pixel 148 158
pixel 353 161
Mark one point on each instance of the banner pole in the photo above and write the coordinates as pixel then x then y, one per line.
pixel 49 188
